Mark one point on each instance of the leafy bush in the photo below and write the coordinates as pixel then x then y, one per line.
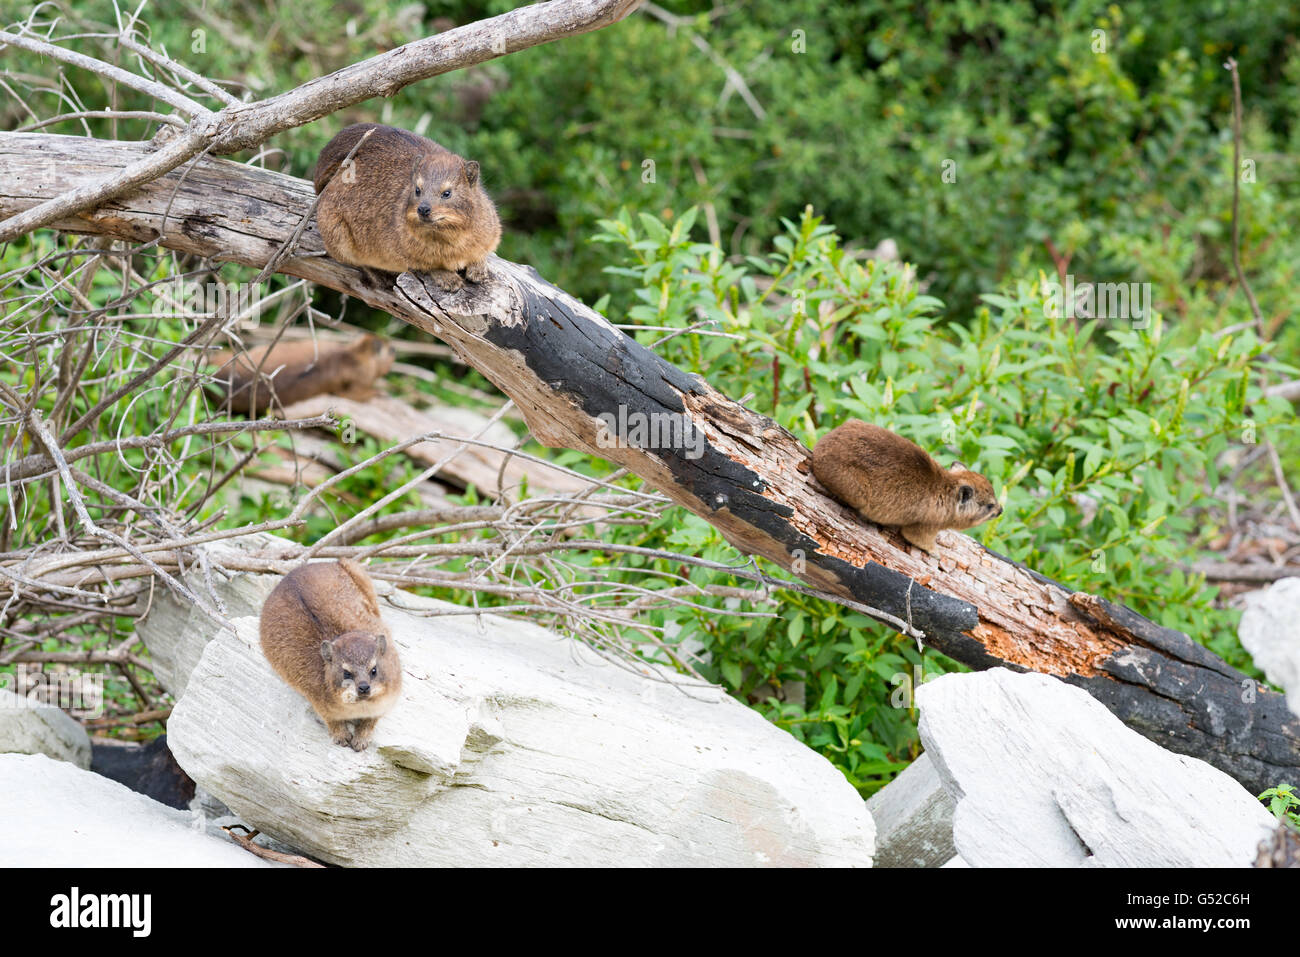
pixel 1101 437
pixel 1283 803
pixel 975 134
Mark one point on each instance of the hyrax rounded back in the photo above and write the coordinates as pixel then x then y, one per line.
pixel 322 633
pixel 403 202
pixel 289 372
pixel 891 481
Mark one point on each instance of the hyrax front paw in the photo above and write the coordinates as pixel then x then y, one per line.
pixel 446 280
pixel 923 537
pixel 377 278
pixel 477 272
pixel 341 734
pixel 363 733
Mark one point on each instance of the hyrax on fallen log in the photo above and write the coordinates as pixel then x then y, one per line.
pixel 298 370
pixel 322 633
pixel 891 481
pixel 404 203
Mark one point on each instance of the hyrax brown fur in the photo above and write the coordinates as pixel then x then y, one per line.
pixel 404 202
pixel 298 370
pixel 322 633
pixel 891 481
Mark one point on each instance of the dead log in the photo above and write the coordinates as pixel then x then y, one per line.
pixel 565 366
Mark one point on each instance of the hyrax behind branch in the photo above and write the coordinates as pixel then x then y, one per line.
pixel 322 633
pixel 298 370
pixel 891 481
pixel 403 202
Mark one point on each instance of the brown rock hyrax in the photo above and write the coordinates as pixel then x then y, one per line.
pixel 322 633
pixel 404 202
pixel 298 370
pixel 891 481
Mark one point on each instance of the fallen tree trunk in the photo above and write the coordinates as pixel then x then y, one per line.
pixel 566 366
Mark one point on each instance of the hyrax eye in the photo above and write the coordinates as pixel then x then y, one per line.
pixel 446 194
pixel 347 675
pixel 417 191
pixel 373 672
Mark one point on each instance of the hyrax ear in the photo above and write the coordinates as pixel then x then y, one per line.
pixel 471 171
pixel 380 644
pixel 327 651
pixel 965 493
pixel 958 467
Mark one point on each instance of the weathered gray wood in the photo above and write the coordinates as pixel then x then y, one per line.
pixel 390 420
pixel 565 365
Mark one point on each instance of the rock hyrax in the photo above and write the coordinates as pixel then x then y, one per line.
pixel 891 481
pixel 322 633
pixel 404 202
pixel 299 370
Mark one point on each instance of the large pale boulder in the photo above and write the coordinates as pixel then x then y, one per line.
pixel 1270 631
pixel 57 815
pixel 1044 776
pixel 27 727
pixel 511 746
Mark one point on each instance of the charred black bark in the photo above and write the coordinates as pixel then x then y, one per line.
pixel 1160 683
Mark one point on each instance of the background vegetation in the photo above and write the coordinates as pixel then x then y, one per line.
pixel 997 143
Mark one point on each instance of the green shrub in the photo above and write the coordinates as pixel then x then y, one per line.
pixel 1102 436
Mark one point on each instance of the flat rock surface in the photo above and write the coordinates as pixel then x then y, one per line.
pixel 57 815
pixel 175 631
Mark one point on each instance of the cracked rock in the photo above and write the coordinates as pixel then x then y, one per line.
pixel 1044 776
pixel 511 746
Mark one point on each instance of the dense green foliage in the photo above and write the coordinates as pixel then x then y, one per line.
pixel 1101 437
pixel 1098 129
pixel 997 142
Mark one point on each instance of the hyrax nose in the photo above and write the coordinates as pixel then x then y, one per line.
pixel 424 210
pixel 363 688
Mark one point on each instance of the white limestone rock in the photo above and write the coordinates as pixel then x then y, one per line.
pixel 1270 631
pixel 175 631
pixel 913 815
pixel 57 815
pixel 29 728
pixel 512 746
pixel 1044 776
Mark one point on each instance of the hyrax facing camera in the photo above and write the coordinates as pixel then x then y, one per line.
pixel 891 481
pixel 322 633
pixel 404 202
